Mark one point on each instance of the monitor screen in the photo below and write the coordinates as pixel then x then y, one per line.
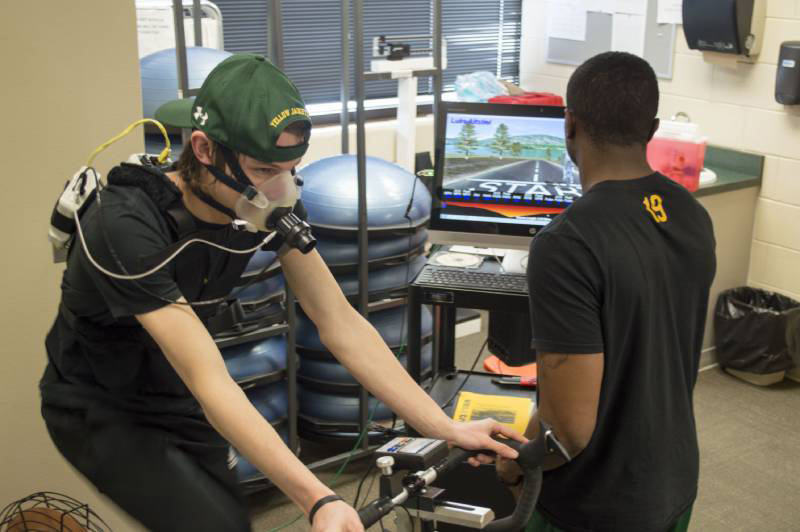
pixel 501 169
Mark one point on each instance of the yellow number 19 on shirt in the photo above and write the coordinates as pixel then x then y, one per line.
pixel 655 207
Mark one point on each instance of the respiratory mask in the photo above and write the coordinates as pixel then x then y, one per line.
pixel 256 205
pixel 266 207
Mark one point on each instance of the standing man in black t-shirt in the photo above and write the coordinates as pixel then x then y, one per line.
pixel 619 288
pixel 136 394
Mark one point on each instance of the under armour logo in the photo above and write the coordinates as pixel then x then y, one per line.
pixel 200 116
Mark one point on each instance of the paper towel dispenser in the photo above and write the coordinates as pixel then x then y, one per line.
pixel 787 84
pixel 725 26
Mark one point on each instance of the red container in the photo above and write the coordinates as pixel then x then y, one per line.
pixel 680 160
pixel 531 98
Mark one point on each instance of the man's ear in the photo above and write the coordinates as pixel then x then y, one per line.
pixel 570 126
pixel 203 147
pixel 653 129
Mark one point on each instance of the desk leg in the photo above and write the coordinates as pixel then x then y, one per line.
pixel 414 342
pixel 447 339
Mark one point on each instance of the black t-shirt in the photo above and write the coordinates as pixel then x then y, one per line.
pixel 108 351
pixel 626 271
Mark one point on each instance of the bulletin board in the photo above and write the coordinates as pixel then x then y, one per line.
pixel 659 43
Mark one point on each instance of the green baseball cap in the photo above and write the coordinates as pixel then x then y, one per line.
pixel 177 113
pixel 245 103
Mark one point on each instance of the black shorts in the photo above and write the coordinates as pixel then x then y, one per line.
pixel 170 474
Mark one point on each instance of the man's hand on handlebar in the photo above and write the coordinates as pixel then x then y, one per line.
pixel 478 435
pixel 337 517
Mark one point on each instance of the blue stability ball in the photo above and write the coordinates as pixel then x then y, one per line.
pixel 254 360
pixel 159 72
pixel 383 281
pixel 330 194
pixel 261 259
pixel 261 291
pixel 330 371
pixel 391 324
pixel 339 252
pixel 245 470
pixel 337 407
pixel 270 400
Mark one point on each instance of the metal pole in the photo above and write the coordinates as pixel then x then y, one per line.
pixel 180 55
pixel 437 63
pixel 361 161
pixel 345 94
pixel 291 370
pixel 275 30
pixel 414 340
pixel 197 19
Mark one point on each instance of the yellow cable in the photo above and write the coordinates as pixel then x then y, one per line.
pixel 161 157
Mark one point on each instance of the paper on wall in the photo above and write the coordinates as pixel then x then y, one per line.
pixel 633 7
pixel 566 19
pixel 670 12
pixel 601 6
pixel 156 30
pixel 627 33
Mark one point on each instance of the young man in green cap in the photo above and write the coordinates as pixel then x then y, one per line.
pixel 136 395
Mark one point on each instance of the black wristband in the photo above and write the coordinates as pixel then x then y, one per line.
pixel 320 503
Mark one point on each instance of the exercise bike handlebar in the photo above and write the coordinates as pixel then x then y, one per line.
pixel 530 459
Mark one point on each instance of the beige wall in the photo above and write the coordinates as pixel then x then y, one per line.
pixel 70 81
pixel 735 108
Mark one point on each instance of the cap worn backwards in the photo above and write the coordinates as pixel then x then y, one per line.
pixel 245 104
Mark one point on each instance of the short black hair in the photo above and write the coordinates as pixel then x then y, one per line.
pixel 614 95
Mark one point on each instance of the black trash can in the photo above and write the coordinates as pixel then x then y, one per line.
pixel 757 334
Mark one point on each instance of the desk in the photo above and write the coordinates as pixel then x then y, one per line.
pixel 444 301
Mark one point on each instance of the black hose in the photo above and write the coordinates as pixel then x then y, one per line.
pixel 456 456
pixel 531 456
pixel 373 512
pixel 525 505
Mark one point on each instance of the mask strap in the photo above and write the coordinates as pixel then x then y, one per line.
pixel 228 181
pixel 214 204
pixel 233 164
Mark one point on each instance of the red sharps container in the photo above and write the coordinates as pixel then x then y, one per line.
pixel 677 150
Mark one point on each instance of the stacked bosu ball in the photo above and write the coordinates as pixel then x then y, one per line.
pixel 159 74
pixel 398 209
pixel 251 335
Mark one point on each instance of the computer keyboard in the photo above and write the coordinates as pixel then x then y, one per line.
pixel 444 276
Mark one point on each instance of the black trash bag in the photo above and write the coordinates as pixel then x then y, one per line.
pixel 756 331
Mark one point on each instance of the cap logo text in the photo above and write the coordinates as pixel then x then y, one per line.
pixel 200 116
pixel 283 115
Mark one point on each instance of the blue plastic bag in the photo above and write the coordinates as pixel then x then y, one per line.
pixel 478 87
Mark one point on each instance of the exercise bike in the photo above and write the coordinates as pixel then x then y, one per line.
pixel 410 465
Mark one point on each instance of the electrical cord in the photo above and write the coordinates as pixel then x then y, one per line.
pixel 340 470
pixel 361 483
pixel 133 277
pixel 107 239
pixel 410 518
pixel 369 489
pixel 466 378
pixel 162 157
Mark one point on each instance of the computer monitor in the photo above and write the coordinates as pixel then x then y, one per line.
pixel 502 173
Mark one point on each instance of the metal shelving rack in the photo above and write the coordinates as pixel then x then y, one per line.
pixel 276 55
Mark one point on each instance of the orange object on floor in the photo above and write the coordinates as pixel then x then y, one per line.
pixel 493 364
